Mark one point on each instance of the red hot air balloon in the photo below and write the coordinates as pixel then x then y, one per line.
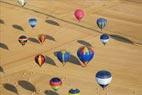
pixel 79 14
pixel 42 38
pixel 40 59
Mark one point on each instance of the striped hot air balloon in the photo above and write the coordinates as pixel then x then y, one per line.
pixel 23 39
pixel 104 38
pixel 85 54
pixel 63 56
pixel 74 92
pixel 103 78
pixel 42 38
pixel 101 22
pixel 40 59
pixel 32 22
pixel 55 83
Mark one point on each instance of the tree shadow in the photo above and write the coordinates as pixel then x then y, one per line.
pixel 50 61
pixel 18 27
pixel 121 39
pixel 34 40
pixel 50 37
pixel 74 60
pixel 10 87
pixel 52 22
pixel 4 46
pixel 1 21
pixel 27 85
pixel 50 92
pixel 1 69
pixel 84 43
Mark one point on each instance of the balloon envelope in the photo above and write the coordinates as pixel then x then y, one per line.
pixel 104 38
pixel 22 39
pixel 79 14
pixel 103 78
pixel 32 22
pixel 55 83
pixel 74 92
pixel 40 59
pixel 101 22
pixel 85 54
pixel 21 2
pixel 41 38
pixel 63 56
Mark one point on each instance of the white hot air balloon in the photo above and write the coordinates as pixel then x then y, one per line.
pixel 103 78
pixel 21 2
pixel 104 38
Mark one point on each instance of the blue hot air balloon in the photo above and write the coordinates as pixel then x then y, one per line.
pixel 103 78
pixel 85 54
pixel 104 38
pixel 74 92
pixel 32 22
pixel 101 22
pixel 63 56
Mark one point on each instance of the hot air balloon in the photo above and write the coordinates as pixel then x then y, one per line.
pixel 101 22
pixel 79 14
pixel 63 56
pixel 23 39
pixel 85 54
pixel 42 38
pixel 40 59
pixel 22 2
pixel 32 22
pixel 74 92
pixel 104 38
pixel 103 78
pixel 55 83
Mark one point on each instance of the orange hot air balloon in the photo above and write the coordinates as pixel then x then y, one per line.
pixel 42 38
pixel 40 59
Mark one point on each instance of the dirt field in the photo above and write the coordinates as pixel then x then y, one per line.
pixel 122 56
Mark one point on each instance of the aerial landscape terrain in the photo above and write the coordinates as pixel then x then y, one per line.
pixel 122 55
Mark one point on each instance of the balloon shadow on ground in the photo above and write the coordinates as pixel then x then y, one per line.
pixel 18 27
pixel 84 43
pixel 52 22
pixel 1 69
pixel 27 85
pixel 55 53
pixel 121 39
pixel 10 88
pixel 74 60
pixel 4 46
pixel 34 40
pixel 1 21
pixel 50 92
pixel 50 61
pixel 50 37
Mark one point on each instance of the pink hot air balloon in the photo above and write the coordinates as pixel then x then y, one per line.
pixel 79 14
